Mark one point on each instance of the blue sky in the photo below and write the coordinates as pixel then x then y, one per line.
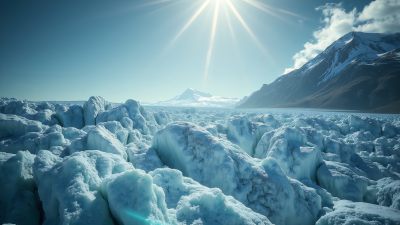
pixel 70 50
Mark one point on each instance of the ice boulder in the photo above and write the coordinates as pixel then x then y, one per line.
pixel 72 133
pixel 197 204
pixel 162 117
pixel 93 107
pixel 101 139
pixel 134 111
pixel 267 119
pixel 18 199
pixel 387 192
pixel 16 107
pixel 214 162
pixel 357 123
pixel 51 138
pixel 246 133
pixel 143 157
pixel 349 213
pixel 175 185
pixel 342 181
pixel 389 130
pixel 289 147
pixel 336 150
pixel 240 131
pixel 41 111
pixel 282 138
pixel 300 201
pixel 117 129
pixel 71 116
pixel 134 199
pixel 54 138
pixel 12 126
pixel 69 188
pixel 30 141
pixel 214 208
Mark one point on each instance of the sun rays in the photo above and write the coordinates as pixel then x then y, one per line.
pixel 191 20
pixel 212 38
pixel 231 8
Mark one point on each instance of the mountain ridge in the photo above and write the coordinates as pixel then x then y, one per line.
pixel 356 72
pixel 194 98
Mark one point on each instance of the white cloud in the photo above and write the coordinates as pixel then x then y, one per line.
pixel 381 16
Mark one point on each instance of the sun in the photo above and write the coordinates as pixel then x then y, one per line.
pixel 220 1
pixel 231 5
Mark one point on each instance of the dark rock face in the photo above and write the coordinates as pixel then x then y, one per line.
pixel 360 71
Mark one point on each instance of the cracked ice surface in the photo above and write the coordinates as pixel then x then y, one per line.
pixel 103 163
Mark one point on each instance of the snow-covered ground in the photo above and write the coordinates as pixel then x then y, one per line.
pixel 99 163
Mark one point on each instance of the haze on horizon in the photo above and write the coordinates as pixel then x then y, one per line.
pixel 152 50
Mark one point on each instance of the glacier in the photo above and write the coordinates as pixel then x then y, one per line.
pixel 104 163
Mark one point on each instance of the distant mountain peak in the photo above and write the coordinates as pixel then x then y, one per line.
pixel 192 94
pixel 195 98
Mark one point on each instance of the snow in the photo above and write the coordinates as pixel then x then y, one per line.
pixel 351 48
pixel 128 164
pixel 194 98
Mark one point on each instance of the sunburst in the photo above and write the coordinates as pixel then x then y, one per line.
pixel 232 10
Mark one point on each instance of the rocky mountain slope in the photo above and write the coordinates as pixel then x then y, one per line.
pixel 360 71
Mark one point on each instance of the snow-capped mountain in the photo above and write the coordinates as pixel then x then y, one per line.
pixel 359 71
pixel 194 98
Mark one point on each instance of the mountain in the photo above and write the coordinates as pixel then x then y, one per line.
pixel 194 98
pixel 359 71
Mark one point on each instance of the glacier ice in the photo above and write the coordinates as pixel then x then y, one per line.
pixel 246 133
pixel 18 199
pixel 198 204
pixel 385 192
pixel 342 181
pixel 101 138
pixel 16 126
pixel 93 107
pixel 212 207
pixel 69 188
pixel 289 147
pixel 70 116
pixel 348 213
pixel 217 163
pixel 132 113
pixel 111 163
pixel 134 199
